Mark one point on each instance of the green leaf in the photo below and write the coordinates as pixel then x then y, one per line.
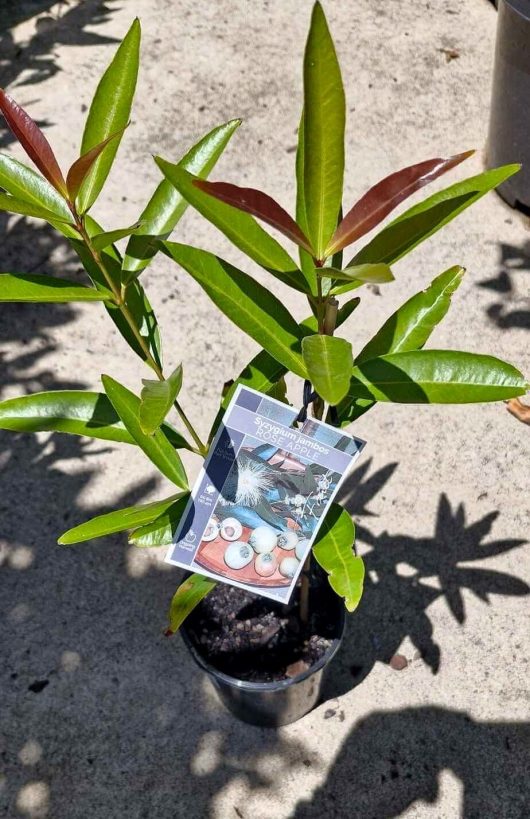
pixel 347 309
pixel 25 184
pixel 329 361
pixel 156 446
pixel 73 411
pixel 15 205
pixel 109 112
pixel 162 530
pixel 436 377
pixel 422 220
pixel 248 304
pixel 360 274
pixel 307 264
pixel 117 521
pixel 167 205
pixel 412 324
pixel 102 240
pixel 188 595
pixel 333 550
pixel 26 287
pixel 324 120
pixel 240 227
pixel 407 329
pixel 135 298
pixel 263 372
pixel 157 399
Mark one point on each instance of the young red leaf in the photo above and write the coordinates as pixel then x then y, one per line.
pixel 33 141
pixel 385 196
pixel 82 166
pixel 258 204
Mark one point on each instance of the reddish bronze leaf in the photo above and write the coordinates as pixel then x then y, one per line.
pixel 258 204
pixel 81 167
pixel 33 141
pixel 385 196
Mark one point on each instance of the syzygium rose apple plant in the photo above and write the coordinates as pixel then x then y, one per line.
pixel 340 384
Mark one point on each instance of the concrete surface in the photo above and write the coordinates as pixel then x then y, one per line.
pixel 101 716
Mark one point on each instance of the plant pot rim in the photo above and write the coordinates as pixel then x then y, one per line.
pixel 277 685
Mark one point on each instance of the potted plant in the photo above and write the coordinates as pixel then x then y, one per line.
pixel 292 643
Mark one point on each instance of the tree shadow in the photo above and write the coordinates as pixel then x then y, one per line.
pixel 405 575
pixel 392 760
pixel 57 23
pixel 511 311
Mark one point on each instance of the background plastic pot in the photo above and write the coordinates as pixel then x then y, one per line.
pixel 509 130
pixel 276 703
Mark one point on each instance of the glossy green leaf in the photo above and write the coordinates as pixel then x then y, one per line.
pixel 329 362
pixel 422 220
pixel 241 228
pixel 157 399
pixel 27 287
pixel 412 324
pixel 167 204
pixel 135 298
pixel 188 595
pixel 73 411
pixel 324 120
pixel 307 264
pixel 334 551
pixel 15 205
pixel 359 275
pixel 162 530
pixel 436 377
pixel 25 184
pixel 246 302
pixel 103 240
pixel 117 521
pixel 347 309
pixel 263 372
pixel 156 446
pixel 109 113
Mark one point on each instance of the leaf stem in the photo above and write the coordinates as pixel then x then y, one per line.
pixel 119 294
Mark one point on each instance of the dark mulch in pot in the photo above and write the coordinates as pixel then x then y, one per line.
pixel 255 639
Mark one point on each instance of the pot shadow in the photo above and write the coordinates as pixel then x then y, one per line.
pixel 405 575
pixel 34 60
pixel 511 311
pixel 394 759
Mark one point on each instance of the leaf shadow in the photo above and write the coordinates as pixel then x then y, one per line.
pixel 512 309
pixel 394 759
pixel 405 575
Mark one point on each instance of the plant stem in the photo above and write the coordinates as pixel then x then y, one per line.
pixel 119 294
pixel 304 591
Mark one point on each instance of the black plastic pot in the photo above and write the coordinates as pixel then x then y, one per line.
pixel 275 703
pixel 509 128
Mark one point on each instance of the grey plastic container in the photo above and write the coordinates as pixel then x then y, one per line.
pixel 509 129
pixel 277 703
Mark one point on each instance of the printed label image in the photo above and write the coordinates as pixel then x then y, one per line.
pixel 261 496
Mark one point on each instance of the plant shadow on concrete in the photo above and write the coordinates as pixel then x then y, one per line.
pixel 511 310
pixel 393 759
pixel 57 23
pixel 395 604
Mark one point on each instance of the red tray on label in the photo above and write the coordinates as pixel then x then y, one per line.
pixel 210 554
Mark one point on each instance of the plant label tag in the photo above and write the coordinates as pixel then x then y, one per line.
pixel 261 496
